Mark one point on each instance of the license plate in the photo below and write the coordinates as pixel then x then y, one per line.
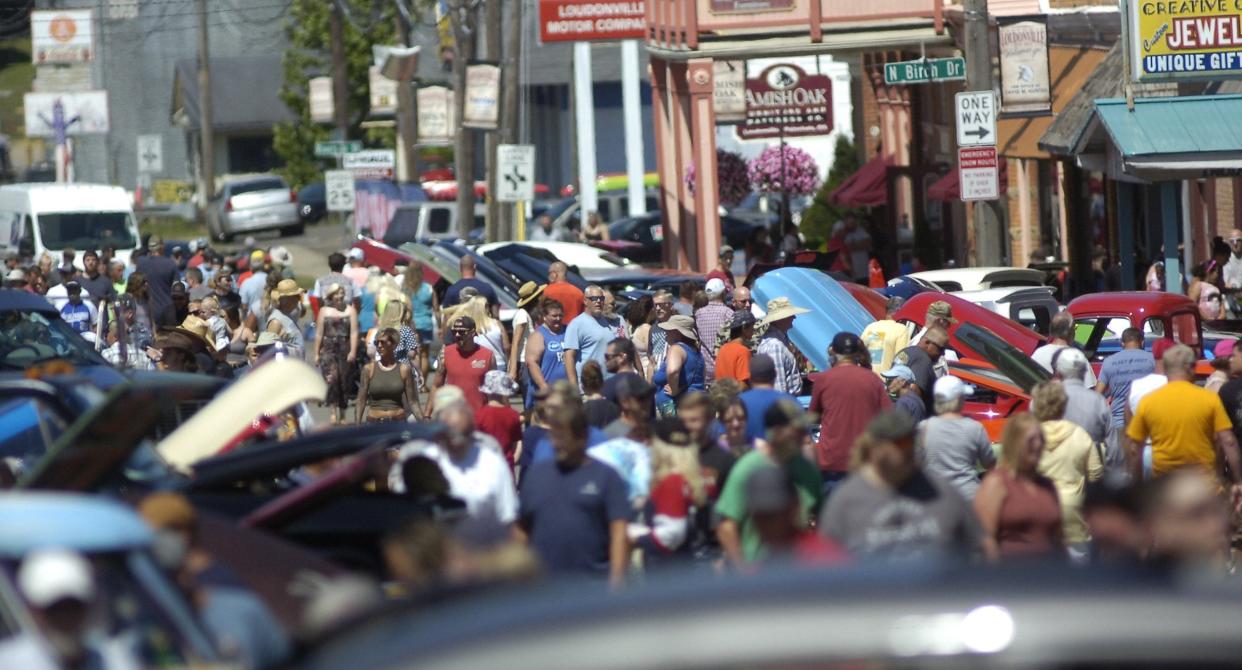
pixel 657 232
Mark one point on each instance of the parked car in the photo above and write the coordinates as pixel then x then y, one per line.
pixel 32 332
pixel 1020 337
pixel 833 309
pixel 1100 318
pixel 1031 307
pixel 647 231
pixel 312 202
pixel 134 598
pixel 977 279
pixel 428 221
pixel 525 263
pixel 38 218
pixel 253 203
pixel 582 256
pixel 613 206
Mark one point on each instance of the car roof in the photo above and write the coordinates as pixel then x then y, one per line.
pixel 973 276
pixel 1003 294
pixel 89 524
pixel 12 300
pixel 1150 303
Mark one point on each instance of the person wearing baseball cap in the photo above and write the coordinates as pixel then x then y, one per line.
pixel 733 358
pixel 708 321
pixel 775 512
pixel 724 267
pixel 935 521
pixel 845 396
pixel 16 279
pixel 160 272
pixel 899 380
pixel 955 447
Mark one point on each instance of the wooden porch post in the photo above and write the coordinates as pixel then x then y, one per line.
pixel 705 240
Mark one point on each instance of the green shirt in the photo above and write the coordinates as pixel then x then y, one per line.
pixel 732 502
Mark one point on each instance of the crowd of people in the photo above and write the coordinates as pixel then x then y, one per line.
pixel 673 429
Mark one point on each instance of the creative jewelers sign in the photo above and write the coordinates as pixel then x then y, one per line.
pixel 1184 39
pixel 591 20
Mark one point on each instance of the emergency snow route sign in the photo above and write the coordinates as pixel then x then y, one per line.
pixel 976 118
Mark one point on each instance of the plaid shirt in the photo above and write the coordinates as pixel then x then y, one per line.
pixel 707 321
pixel 135 358
pixel 788 378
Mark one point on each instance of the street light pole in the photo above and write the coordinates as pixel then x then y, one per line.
pixel 207 138
pixel 979 78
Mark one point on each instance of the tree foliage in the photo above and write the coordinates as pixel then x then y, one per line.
pixel 819 218
pixel 310 55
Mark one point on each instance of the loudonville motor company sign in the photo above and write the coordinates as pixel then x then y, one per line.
pixel 591 20
pixel 785 101
pixel 1184 39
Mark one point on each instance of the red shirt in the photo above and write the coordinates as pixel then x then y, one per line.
pixel 723 276
pixel 502 423
pixel 568 295
pixel 846 397
pixel 467 372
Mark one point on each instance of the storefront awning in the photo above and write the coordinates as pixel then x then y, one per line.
pixel 892 35
pixel 947 188
pixel 868 187
pixel 1185 137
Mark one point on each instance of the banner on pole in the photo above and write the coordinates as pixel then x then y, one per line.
pixel 435 115
pixel 482 108
pixel 1025 87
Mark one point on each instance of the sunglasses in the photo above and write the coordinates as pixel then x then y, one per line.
pixel 595 298
pixel 663 304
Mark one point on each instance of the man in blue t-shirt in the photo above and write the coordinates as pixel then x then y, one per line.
pixel 588 335
pixel 469 270
pixel 75 312
pixel 762 394
pixel 574 509
pixel 1118 371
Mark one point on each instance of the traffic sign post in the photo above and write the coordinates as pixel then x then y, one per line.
pixel 977 173
pixel 150 154
pixel 338 186
pixel 976 118
pixel 925 70
pixel 336 148
pixel 515 181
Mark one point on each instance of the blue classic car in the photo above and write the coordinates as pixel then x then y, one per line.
pixel 833 309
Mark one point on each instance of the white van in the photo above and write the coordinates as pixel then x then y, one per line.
pixel 35 218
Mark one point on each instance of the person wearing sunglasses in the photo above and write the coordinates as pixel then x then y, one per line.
pixel 464 364
pixel 588 335
pixel 921 358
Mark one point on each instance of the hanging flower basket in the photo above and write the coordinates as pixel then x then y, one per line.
pixel 800 174
pixel 732 179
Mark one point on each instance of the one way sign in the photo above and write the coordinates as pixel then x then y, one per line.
pixel 515 181
pixel 976 118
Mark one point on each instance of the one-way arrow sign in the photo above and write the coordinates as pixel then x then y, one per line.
pixel 976 118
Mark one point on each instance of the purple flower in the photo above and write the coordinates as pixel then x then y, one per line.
pixel 800 175
pixel 732 179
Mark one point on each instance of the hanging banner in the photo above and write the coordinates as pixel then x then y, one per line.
pixel 1186 39
pixel 749 6
pixel 320 100
pixel 1025 87
pixel 61 36
pixel 482 108
pixel 383 92
pixel 435 115
pixel 785 101
pixel 591 20
pixel 729 90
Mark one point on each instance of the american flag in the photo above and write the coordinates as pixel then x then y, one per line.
pixel 375 201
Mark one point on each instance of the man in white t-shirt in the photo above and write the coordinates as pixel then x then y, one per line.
pixel 1061 332
pixel 1141 387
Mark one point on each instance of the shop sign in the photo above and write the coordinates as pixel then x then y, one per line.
pixel 785 101
pixel 482 108
pixel 591 20
pixel 61 36
pixel 371 164
pixel 383 92
pixel 1183 39
pixel 729 90
pixel 1025 86
pixel 749 6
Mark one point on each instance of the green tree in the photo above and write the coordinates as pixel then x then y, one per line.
pixel 309 55
pixel 819 218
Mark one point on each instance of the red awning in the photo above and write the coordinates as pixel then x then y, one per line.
pixel 946 188
pixel 866 188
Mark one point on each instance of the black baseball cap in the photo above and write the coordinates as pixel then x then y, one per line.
pixel 672 431
pixel 464 322
pixel 846 344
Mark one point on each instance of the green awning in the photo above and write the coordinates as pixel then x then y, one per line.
pixel 1175 138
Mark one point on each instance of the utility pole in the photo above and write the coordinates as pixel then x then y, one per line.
pixel 340 80
pixel 492 52
pixel 406 134
pixel 464 24
pixel 979 78
pixel 510 104
pixel 207 138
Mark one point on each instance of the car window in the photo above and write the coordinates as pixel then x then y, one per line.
pixel 439 220
pixel 1035 318
pixel 241 187
pixel 1186 329
pixel 27 338
pixel 87 230
pixel 1017 366
pixel 948 286
pixel 30 427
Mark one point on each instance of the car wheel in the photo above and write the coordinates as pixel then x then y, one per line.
pixel 216 232
pixel 306 212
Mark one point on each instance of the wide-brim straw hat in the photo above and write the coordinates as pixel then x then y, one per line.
pixel 781 308
pixel 529 291
pixel 682 324
pixel 286 288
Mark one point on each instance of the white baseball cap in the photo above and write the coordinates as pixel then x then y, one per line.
pixel 355 254
pixel 715 287
pixel 949 388
pixel 48 576
pixel 1071 363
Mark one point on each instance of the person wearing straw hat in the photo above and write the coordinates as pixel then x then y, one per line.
pixel 523 323
pixel 776 344
pixel 286 297
pixel 683 368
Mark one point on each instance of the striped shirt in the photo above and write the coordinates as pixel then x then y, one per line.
pixel 776 344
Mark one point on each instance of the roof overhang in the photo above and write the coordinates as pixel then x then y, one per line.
pixel 858 39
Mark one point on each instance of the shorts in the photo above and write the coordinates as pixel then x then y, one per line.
pixel 424 336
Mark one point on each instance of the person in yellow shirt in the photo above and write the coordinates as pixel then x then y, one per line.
pixel 1186 424
pixel 885 338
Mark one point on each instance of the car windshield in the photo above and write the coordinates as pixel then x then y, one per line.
pixel 27 338
pixel 1011 362
pixel 87 230
pixel 257 185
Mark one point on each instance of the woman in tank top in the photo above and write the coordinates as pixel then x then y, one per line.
pixel 387 391
pixel 1018 507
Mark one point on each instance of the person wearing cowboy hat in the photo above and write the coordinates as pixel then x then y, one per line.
pixel 523 322
pixel 776 344
pixel 282 321
pixel 179 350
pixel 683 368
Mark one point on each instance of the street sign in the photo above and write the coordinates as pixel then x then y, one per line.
pixel 976 118
pixel 338 187
pixel 515 181
pixel 925 70
pixel 150 154
pixel 785 101
pixel 373 164
pixel 336 148
pixel 978 173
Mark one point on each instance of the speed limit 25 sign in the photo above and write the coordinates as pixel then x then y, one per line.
pixel 339 190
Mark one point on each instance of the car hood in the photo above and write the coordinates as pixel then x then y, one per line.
pixel 832 309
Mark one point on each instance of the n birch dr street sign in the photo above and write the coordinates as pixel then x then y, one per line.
pixel 336 148
pixel 976 118
pixel 925 71
pixel 515 179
